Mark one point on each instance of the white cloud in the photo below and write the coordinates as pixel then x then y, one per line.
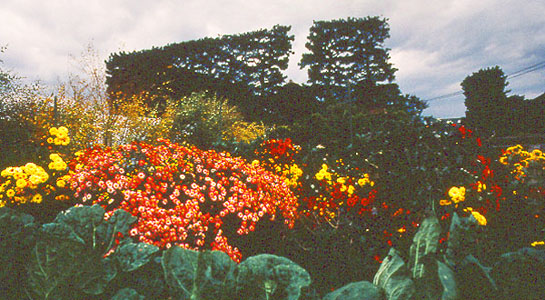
pixel 435 44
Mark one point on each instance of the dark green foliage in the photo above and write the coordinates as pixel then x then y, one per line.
pixel 293 102
pixel 474 280
pixel 242 68
pixel 179 267
pixel 462 237
pixel 519 275
pixel 17 102
pixel 198 275
pixel 448 282
pixel 131 256
pixel 362 290
pixel 69 260
pixel 17 237
pixel 394 277
pixel 214 276
pixel 127 294
pixel 486 101
pixel 425 242
pixel 423 264
pixel 344 53
pixel 270 277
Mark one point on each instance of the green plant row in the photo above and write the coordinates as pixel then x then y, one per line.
pixel 80 255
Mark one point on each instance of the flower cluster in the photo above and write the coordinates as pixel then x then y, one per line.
pixel 279 150
pixel 338 189
pixel 57 163
pixel 19 184
pixel 182 196
pixel 278 156
pixel 59 136
pixel 456 194
pixel 477 215
pixel 523 162
pixel 30 183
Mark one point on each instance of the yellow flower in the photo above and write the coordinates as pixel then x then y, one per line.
pixel 445 202
pixel 62 130
pixel 480 218
pixel 537 152
pixel 61 183
pixel 54 157
pixel 35 179
pixel 319 176
pixel 538 243
pixel 341 180
pixel 30 168
pixel 503 160
pixel 53 131
pixel 5 173
pixel 363 181
pixel 37 198
pixel 10 193
pixel 351 189
pixel 21 183
pixel 480 186
pixel 343 188
pixel 61 135
pixel 457 194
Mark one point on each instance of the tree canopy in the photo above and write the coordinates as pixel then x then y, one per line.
pixel 242 68
pixel 346 52
pixel 486 100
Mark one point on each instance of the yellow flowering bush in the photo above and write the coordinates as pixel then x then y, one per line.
pixel 20 184
pixel 244 132
pixel 31 182
pixel 339 189
pixel 524 165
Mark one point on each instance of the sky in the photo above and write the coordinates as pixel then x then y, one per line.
pixel 434 44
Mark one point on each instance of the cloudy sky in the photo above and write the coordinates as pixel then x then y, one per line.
pixel 434 44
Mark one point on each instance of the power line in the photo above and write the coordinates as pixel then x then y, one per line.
pixel 515 74
pixel 527 70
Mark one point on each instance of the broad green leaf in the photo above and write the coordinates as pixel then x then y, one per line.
pixel 462 235
pixel 270 277
pixel 179 266
pixel 69 259
pixel 132 256
pixel 214 277
pixel 425 242
pixel 446 275
pixel 127 294
pixel 394 277
pixel 355 291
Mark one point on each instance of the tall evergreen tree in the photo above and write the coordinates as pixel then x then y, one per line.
pixel 486 101
pixel 344 53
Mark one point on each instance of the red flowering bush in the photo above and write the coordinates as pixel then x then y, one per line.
pixel 182 196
